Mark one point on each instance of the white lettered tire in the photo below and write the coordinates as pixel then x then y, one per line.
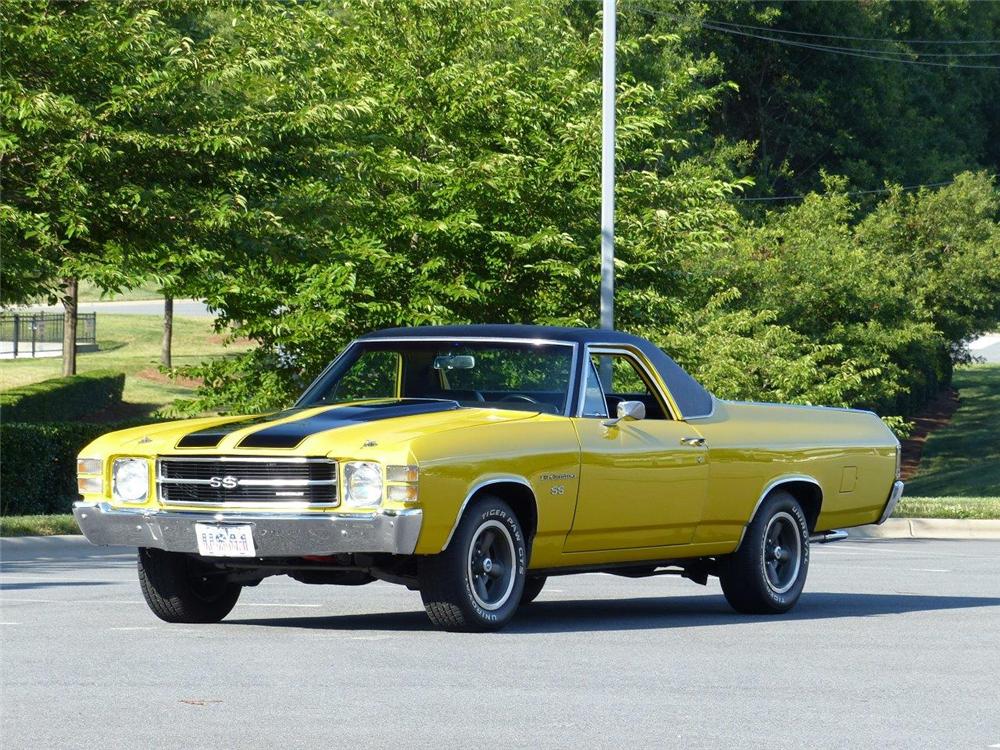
pixel 477 582
pixel 767 573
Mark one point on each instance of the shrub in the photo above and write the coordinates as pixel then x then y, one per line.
pixel 39 463
pixel 890 298
pixel 63 399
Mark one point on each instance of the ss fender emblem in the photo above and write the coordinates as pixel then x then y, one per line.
pixel 228 482
pixel 557 489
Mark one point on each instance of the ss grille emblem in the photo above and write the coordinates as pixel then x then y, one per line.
pixel 229 482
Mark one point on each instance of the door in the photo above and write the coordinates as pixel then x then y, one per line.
pixel 643 483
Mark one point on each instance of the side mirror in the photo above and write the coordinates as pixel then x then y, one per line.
pixel 627 411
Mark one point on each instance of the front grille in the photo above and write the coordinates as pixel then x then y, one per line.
pixel 247 482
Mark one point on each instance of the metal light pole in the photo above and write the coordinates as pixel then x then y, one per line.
pixel 608 169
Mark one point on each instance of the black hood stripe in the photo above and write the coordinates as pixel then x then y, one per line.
pixel 290 434
pixel 212 436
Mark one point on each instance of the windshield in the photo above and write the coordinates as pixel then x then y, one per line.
pixel 508 375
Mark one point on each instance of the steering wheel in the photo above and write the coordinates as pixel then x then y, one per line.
pixel 520 397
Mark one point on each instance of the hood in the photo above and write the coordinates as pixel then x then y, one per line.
pixel 337 429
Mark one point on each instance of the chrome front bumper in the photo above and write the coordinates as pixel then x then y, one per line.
pixel 892 502
pixel 274 535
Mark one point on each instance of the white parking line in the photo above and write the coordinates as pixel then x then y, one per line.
pixel 8 599
pixel 856 549
pixel 845 546
pixel 30 577
pixel 148 627
pixel 829 550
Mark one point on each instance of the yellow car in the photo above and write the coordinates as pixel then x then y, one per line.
pixel 472 462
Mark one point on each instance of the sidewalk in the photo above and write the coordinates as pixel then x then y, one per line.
pixel 928 528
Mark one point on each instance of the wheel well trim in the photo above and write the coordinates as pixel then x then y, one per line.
pixel 773 485
pixel 480 485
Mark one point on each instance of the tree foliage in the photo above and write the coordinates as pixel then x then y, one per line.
pixel 316 170
pixel 903 96
pixel 455 177
pixel 122 143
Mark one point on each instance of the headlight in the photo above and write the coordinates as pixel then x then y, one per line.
pixel 363 480
pixel 130 479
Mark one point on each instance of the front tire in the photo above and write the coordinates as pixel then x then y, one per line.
pixel 533 586
pixel 477 582
pixel 181 588
pixel 766 575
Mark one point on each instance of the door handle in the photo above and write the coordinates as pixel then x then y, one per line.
pixel 695 441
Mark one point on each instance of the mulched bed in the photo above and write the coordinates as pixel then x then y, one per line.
pixel 153 374
pixel 937 415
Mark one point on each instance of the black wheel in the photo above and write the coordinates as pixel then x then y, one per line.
pixel 180 588
pixel 476 583
pixel 767 573
pixel 533 586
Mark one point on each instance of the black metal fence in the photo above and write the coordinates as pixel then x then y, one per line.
pixel 28 334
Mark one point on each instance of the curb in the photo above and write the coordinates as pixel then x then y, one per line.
pixel 929 528
pixel 23 539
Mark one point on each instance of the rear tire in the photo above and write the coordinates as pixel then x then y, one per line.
pixel 766 575
pixel 477 582
pixel 181 588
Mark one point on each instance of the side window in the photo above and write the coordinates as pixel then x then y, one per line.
pixel 628 383
pixel 626 378
pixel 594 404
pixel 372 376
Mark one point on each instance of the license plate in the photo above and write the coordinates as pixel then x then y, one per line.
pixel 222 540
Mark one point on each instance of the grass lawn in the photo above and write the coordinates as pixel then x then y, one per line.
pixel 962 460
pixel 948 507
pixel 38 525
pixel 131 344
pixel 91 293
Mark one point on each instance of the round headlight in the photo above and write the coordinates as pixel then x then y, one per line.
pixel 364 483
pixel 130 479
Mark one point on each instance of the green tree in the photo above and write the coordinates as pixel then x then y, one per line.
pixel 452 174
pixel 947 244
pixel 120 146
pixel 853 111
pixel 896 293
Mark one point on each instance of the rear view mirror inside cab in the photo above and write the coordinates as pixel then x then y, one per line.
pixel 454 362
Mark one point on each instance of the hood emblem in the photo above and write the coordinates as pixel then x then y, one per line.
pixel 369 444
pixel 145 439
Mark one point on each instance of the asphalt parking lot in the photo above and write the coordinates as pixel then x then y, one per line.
pixel 894 644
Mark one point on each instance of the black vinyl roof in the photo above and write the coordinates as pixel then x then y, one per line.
pixel 510 331
pixel 691 398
